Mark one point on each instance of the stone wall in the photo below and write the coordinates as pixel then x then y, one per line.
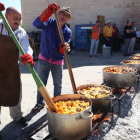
pixel 85 11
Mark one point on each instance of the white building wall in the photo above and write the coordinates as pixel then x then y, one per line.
pixel 85 11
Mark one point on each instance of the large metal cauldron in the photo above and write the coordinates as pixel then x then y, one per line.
pixel 102 104
pixel 119 80
pixel 70 126
pixel 127 63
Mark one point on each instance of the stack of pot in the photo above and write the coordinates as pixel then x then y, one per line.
pixel 79 125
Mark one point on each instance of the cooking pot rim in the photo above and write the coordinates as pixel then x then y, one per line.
pixel 88 99
pixel 119 73
pixel 102 97
pixel 134 59
pixel 94 85
pixel 137 54
pixel 73 114
pixel 130 60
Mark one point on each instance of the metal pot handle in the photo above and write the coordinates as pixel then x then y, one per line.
pixel 135 75
pixel 81 117
pixel 112 97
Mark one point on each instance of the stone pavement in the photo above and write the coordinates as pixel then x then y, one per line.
pixel 86 71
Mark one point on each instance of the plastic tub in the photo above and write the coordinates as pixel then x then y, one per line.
pixel 106 51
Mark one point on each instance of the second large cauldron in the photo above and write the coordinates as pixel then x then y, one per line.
pixel 102 104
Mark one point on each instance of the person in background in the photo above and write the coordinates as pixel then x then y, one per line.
pixel 133 39
pixel 115 37
pixel 127 37
pixel 108 32
pixel 96 30
pixel 51 57
pixel 12 92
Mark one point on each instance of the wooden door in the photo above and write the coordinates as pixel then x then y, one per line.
pixel 102 20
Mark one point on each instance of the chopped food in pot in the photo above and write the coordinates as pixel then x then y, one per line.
pixel 137 54
pixel 120 70
pixel 134 57
pixel 71 107
pixel 94 92
pixel 133 62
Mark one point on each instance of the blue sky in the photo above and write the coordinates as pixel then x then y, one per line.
pixel 8 3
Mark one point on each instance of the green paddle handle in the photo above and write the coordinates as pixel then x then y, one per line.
pixel 38 81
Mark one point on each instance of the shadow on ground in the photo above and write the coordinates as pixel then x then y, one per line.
pixel 81 58
pixel 20 133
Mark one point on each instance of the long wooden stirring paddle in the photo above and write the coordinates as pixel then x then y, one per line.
pixel 66 54
pixel 38 81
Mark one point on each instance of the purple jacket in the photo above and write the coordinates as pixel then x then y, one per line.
pixel 50 39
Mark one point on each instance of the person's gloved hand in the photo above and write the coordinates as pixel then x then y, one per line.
pixel 54 7
pixel 2 7
pixel 66 46
pixel 48 12
pixel 27 57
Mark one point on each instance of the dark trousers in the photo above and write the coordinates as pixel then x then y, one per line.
pixel 115 44
pixel 127 44
pixel 109 42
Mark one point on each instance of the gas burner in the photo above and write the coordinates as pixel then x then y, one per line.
pixel 106 121
pixel 121 92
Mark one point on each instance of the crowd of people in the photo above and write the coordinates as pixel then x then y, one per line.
pixel 111 34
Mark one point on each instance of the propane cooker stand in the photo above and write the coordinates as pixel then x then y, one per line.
pixel 120 97
pixel 136 87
